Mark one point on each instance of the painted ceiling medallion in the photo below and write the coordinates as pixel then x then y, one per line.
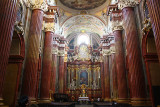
pixel 83 4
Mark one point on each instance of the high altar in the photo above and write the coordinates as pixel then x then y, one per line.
pixel 83 74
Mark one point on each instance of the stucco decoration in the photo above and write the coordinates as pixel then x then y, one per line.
pixel 87 23
pixel 82 4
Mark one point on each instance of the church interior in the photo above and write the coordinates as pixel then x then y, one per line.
pixel 63 53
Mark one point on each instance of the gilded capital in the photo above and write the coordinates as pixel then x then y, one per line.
pixel 106 52
pixel 118 27
pixel 49 27
pixel 127 3
pixel 112 50
pixel 37 4
pixel 61 53
pixel 55 51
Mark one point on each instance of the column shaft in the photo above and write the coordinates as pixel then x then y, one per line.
pixel 114 76
pixel 102 79
pixel 65 76
pixel 54 69
pixel 61 74
pixel 137 81
pixel 120 65
pixel 106 78
pixel 8 14
pixel 47 66
pixel 31 64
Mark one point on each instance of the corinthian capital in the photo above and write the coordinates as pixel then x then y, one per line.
pixel 118 27
pixel 61 53
pixel 49 27
pixel 127 3
pixel 37 4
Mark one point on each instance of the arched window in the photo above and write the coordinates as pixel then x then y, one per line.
pixel 83 39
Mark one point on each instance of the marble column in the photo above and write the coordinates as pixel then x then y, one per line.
pixel 107 95
pixel 61 71
pixel 8 14
pixel 54 67
pixel 102 76
pixel 114 76
pixel 32 56
pixel 136 74
pixel 65 73
pixel 120 65
pixel 47 64
pixel 154 9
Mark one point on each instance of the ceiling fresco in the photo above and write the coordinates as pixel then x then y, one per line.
pixel 82 4
pixel 87 23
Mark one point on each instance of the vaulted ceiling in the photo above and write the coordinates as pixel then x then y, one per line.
pixel 83 16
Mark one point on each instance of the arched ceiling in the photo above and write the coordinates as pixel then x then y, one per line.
pixel 76 16
pixel 82 4
pixel 83 23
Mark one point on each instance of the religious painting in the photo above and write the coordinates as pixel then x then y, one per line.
pixel 82 4
pixel 84 77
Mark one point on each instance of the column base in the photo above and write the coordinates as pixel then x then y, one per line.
pixel 4 106
pixel 123 100
pixel 33 100
pixel 1 102
pixel 140 102
pixel 46 100
pixel 114 99
pixel 107 99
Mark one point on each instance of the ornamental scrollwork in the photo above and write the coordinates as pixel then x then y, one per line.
pixel 127 3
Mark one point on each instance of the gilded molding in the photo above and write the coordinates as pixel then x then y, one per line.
pixel 55 51
pixel 127 3
pixel 118 27
pixel 37 4
pixel 18 27
pixel 112 50
pixel 49 16
pixel 109 51
pixel 106 52
pixel 147 26
pixel 61 53
pixel 49 27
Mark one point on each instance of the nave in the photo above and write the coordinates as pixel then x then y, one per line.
pixel 66 51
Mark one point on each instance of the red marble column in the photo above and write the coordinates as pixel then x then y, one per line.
pixel 61 74
pixel 32 56
pixel 38 75
pixel 120 65
pixel 137 81
pixel 114 76
pixel 65 76
pixel 107 95
pixel 47 66
pixel 102 79
pixel 54 69
pixel 8 14
pixel 154 10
